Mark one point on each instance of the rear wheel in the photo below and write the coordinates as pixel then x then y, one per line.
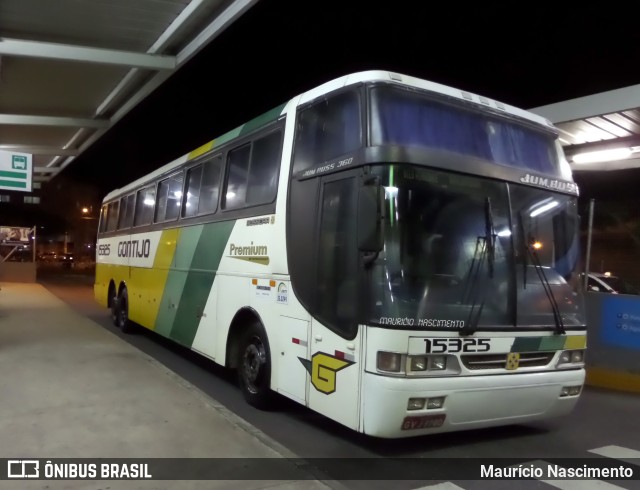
pixel 254 368
pixel 122 313
pixel 114 309
pixel 113 300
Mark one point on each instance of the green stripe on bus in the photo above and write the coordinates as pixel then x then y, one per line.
pixel 228 136
pixel 13 175
pixel 197 287
pixel 535 344
pixel 525 344
pixel 13 183
pixel 552 343
pixel 174 286
pixel 263 119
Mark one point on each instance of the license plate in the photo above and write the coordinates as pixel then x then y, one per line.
pixel 423 422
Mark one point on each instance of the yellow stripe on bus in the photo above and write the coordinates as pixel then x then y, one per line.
pixel 149 284
pixel 576 342
pixel 201 150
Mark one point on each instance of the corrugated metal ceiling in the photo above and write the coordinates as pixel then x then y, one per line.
pixel 70 69
pixel 596 123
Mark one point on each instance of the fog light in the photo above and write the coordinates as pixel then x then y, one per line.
pixel 577 356
pixel 415 404
pixel 571 390
pixel 565 357
pixel 438 363
pixel 574 390
pixel 436 402
pixel 389 361
pixel 418 363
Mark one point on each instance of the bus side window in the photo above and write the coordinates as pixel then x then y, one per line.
pixel 253 172
pixel 112 215
pixel 263 175
pixel 236 190
pixel 192 192
pixel 203 185
pixel 169 198
pixel 210 186
pixel 145 201
pixel 125 220
pixel 103 219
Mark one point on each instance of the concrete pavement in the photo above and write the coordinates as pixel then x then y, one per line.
pixel 70 389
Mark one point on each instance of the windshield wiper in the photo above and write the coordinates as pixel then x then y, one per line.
pixel 487 242
pixel 490 235
pixel 471 287
pixel 535 259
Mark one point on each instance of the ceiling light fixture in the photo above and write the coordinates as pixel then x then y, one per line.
pixel 603 155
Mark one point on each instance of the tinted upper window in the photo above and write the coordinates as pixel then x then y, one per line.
pixel 402 117
pixel 326 130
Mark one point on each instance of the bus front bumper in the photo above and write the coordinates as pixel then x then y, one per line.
pixel 470 402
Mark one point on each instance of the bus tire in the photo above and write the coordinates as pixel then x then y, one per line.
pixel 113 300
pixel 254 367
pixel 122 321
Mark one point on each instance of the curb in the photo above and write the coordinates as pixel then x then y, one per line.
pixel 615 380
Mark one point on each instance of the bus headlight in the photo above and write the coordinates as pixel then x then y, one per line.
pixel 571 357
pixel 438 363
pixel 577 356
pixel 419 363
pixel 391 362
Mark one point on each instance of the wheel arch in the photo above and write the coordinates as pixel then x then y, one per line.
pixel 244 317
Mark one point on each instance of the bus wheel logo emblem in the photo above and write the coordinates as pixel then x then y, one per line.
pixel 513 361
pixel 323 368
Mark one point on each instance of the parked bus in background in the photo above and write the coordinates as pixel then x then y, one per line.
pixel 395 254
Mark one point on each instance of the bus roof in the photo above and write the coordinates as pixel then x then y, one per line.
pixel 319 91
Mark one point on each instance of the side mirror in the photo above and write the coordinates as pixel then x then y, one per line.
pixel 370 217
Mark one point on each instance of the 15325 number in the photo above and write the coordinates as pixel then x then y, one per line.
pixel 454 345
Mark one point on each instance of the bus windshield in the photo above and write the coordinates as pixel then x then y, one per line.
pixel 457 254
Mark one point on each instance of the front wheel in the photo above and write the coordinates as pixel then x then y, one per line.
pixel 254 368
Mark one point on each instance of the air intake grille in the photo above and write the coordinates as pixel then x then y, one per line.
pixel 477 362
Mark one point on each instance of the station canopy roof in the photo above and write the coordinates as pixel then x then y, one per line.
pixel 70 70
pixel 600 131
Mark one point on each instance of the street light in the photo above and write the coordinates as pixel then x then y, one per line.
pixel 85 210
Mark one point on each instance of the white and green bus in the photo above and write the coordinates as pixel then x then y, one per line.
pixel 399 256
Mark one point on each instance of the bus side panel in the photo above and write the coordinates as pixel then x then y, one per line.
pixel 189 238
pixel 190 281
pixel 146 285
pixel 104 274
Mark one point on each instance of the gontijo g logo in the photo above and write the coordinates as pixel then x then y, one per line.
pixel 323 368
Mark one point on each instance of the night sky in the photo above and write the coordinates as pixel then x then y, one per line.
pixel 524 54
